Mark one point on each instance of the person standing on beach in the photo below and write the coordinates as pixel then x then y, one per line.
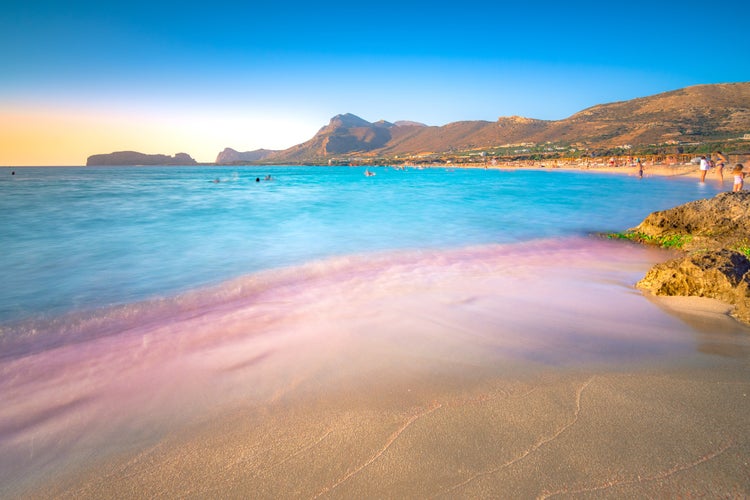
pixel 739 178
pixel 721 160
pixel 704 168
pixel 639 164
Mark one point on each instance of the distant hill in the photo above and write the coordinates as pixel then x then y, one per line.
pixel 126 158
pixel 230 156
pixel 694 114
pixel 699 113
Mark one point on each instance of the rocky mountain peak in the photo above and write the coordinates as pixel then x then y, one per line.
pixel 348 120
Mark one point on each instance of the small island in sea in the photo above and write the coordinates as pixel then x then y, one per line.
pixel 123 158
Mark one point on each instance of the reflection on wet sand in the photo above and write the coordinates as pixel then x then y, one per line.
pixel 716 332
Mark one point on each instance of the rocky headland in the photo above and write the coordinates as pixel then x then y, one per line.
pixel 230 156
pixel 128 158
pixel 714 237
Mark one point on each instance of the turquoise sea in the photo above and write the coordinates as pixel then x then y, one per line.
pixel 78 239
pixel 135 301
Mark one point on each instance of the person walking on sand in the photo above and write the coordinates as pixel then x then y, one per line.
pixel 739 178
pixel 704 168
pixel 721 160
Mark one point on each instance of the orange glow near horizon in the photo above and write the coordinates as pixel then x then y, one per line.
pixel 40 137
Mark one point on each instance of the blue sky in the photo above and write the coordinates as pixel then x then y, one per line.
pixel 244 75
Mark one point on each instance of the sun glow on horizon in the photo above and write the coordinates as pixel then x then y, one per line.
pixel 66 137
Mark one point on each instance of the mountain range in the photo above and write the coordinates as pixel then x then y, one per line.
pixel 691 115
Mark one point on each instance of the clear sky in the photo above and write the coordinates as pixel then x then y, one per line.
pixel 86 77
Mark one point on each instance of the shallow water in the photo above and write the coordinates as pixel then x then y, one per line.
pixel 81 238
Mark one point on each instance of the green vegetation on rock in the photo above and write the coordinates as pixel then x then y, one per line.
pixel 715 236
pixel 675 241
pixel 743 247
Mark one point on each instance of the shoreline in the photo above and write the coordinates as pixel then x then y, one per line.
pixel 677 170
pixel 655 169
pixel 435 377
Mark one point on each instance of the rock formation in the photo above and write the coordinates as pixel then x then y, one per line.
pixel 715 234
pixel 127 158
pixel 344 134
pixel 230 156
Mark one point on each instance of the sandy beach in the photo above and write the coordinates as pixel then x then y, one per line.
pixel 649 169
pixel 661 165
pixel 423 385
pixel 645 433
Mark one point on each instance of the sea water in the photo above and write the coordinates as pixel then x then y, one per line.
pixel 84 238
pixel 136 300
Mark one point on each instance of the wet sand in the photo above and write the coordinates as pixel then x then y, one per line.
pixel 520 371
pixel 645 433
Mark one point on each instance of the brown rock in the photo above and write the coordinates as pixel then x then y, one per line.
pixel 127 158
pixel 715 267
pixel 714 223
pixel 698 274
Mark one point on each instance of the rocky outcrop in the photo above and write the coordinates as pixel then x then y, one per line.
pixel 128 158
pixel 709 224
pixel 719 274
pixel 715 236
pixel 344 134
pixel 229 156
